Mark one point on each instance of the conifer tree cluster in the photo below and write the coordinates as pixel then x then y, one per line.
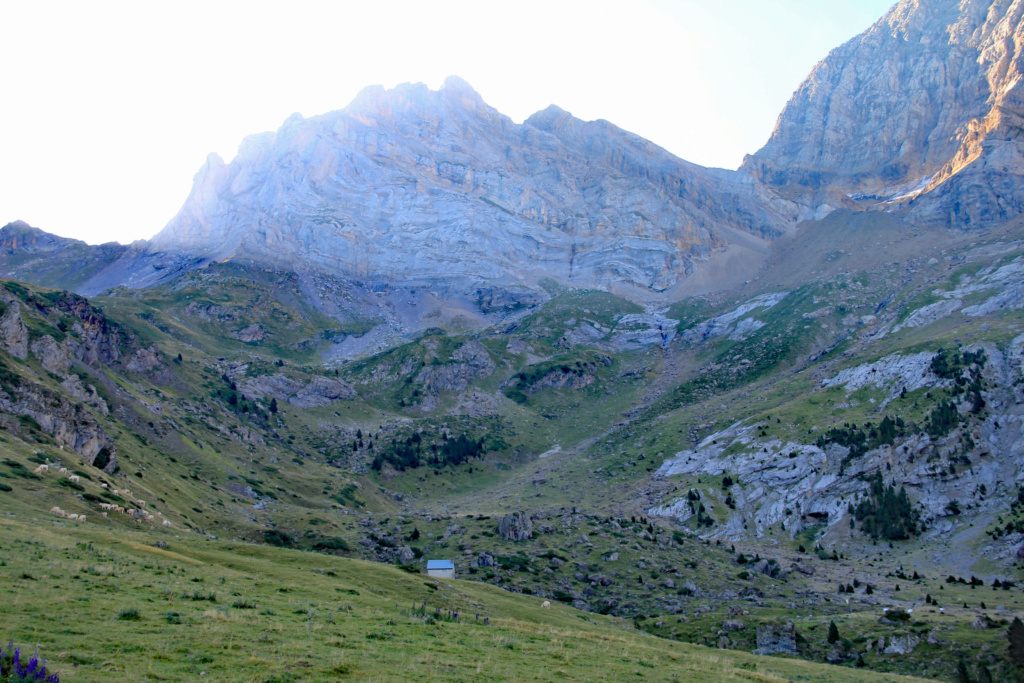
pixel 886 513
pixel 411 453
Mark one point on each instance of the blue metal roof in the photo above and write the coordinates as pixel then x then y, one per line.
pixel 440 564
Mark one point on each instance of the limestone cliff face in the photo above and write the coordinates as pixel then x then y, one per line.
pixel 921 112
pixel 413 184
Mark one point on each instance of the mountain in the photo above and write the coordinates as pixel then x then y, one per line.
pixel 30 254
pixel 414 185
pixel 920 114
pixel 370 338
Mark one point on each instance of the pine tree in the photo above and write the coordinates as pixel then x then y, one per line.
pixel 1015 641
pixel 273 405
pixel 833 633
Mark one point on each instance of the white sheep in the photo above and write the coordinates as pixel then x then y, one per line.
pixel 72 516
pixel 140 503
pixel 56 510
pixel 81 518
pixel 546 604
pixel 167 522
pixel 41 469
pixel 63 470
pixel 105 506
pixel 75 478
pixel 104 485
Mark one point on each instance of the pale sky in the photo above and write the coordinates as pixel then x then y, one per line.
pixel 109 108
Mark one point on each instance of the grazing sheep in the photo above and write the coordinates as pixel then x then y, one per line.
pixel 56 510
pixel 74 478
pixel 140 503
pixel 63 470
pixel 72 516
pixel 81 518
pixel 41 469
pixel 105 506
pixel 104 485
pixel 167 522
pixel 546 604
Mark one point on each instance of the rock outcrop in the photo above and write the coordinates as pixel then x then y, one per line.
pixel 516 526
pixel 322 391
pixel 13 333
pixel 319 391
pixel 919 112
pixel 253 334
pixel 776 639
pixel 47 411
pixel 52 356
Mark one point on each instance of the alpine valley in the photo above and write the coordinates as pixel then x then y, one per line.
pixel 647 408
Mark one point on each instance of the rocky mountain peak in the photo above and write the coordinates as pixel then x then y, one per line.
pixel 914 114
pixel 411 184
pixel 550 119
pixel 416 102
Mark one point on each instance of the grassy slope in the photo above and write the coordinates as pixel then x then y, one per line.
pixel 102 605
pixel 602 475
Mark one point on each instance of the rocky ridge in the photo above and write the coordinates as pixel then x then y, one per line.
pixel 416 185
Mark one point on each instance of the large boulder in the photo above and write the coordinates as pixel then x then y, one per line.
pixel 902 645
pixel 253 334
pixel 776 639
pixel 516 526
pixel 405 555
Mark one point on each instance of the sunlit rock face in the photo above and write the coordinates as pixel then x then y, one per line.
pixel 413 184
pixel 921 113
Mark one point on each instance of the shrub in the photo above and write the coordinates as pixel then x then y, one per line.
pixel 329 544
pixel 278 538
pixel 102 458
pixel 130 614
